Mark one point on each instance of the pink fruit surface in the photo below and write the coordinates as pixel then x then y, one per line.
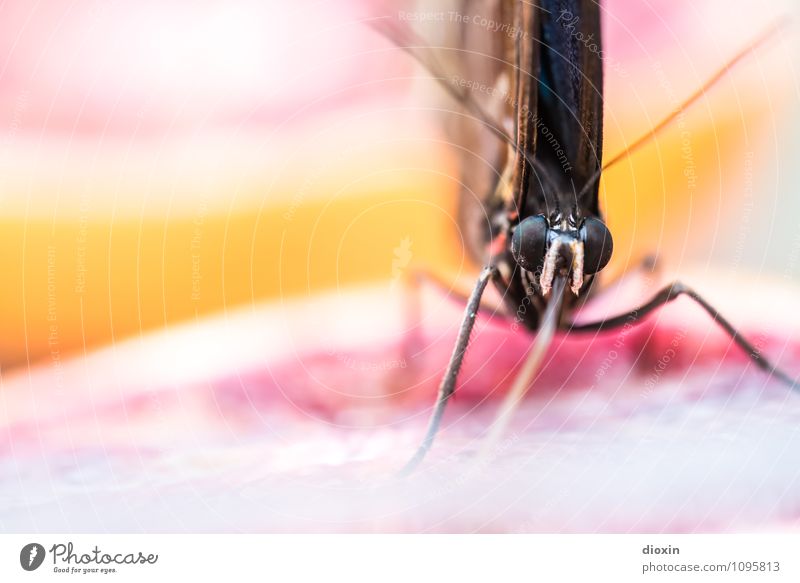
pixel 296 418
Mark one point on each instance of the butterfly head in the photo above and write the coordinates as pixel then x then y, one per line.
pixel 557 245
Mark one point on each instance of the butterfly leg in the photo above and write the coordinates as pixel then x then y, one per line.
pixel 668 294
pixel 448 383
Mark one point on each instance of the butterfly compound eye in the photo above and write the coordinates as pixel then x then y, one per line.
pixel 597 245
pixel 528 243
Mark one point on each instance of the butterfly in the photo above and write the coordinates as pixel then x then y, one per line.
pixel 536 87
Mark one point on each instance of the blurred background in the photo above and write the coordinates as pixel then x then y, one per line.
pixel 163 161
pixel 207 213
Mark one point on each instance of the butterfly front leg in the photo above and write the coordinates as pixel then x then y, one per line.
pixel 448 384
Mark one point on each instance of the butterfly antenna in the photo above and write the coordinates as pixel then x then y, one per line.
pixel 691 100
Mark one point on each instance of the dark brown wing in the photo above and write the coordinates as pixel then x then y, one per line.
pixel 571 93
pixel 499 57
pixel 549 54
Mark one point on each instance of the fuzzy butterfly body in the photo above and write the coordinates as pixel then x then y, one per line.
pixel 547 76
